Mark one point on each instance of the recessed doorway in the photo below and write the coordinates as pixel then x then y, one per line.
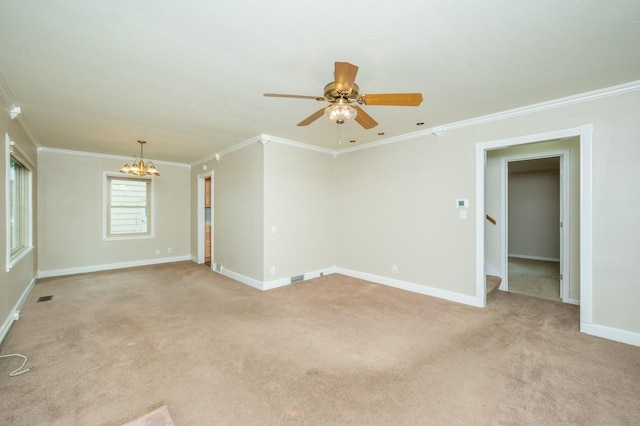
pixel 535 204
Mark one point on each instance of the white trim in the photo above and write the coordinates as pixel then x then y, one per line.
pixel 263 139
pixel 15 312
pixel 108 156
pixel 563 154
pixel 28 237
pixel 110 266
pixel 269 285
pixel 439 130
pixel 415 288
pixel 586 225
pixel 9 100
pixel 7 202
pixel 611 333
pixel 241 278
pixel 481 280
pixel 282 141
pixel 402 285
pixel 586 250
pixel 105 207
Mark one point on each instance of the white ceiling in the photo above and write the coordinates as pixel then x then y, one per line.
pixel 188 76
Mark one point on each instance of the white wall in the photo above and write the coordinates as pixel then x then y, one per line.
pixel 263 185
pixel 397 203
pixel 238 211
pixel 300 202
pixel 534 215
pixel 397 206
pixel 70 219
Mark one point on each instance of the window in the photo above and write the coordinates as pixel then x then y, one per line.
pixel 19 207
pixel 128 207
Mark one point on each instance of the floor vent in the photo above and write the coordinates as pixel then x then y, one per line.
pixel 297 278
pixel 44 298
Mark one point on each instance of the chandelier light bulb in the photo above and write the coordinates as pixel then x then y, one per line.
pixel 140 167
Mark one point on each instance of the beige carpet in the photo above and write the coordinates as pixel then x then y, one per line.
pixel 537 278
pixel 329 351
pixel 158 417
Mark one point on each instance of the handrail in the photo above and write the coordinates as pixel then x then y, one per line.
pixel 490 219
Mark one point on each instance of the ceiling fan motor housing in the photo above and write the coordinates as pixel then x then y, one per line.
pixel 333 95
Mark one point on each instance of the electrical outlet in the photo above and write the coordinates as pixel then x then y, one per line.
pixel 169 250
pixel 394 269
pixel 157 252
pixel 273 270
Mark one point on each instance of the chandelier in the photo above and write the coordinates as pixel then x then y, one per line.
pixel 140 167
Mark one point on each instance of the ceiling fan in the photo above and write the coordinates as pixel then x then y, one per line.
pixel 345 99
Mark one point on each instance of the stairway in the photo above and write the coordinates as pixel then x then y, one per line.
pixel 493 282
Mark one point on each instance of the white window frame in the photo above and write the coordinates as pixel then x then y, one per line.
pixel 12 151
pixel 106 205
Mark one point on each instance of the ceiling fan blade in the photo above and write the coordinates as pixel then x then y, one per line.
pixel 364 119
pixel 393 99
pixel 281 95
pixel 345 75
pixel 313 117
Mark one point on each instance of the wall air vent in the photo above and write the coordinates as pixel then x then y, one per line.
pixel 297 278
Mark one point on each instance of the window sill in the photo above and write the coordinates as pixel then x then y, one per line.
pixel 18 257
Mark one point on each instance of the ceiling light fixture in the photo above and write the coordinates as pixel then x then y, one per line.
pixel 340 113
pixel 140 167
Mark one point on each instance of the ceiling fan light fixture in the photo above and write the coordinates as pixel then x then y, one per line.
pixel 340 113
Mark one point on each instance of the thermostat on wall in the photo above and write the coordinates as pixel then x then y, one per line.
pixel 462 202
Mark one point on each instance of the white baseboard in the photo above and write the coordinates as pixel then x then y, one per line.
pixel 241 278
pixel 415 288
pixel 572 301
pixel 610 333
pixel 110 266
pixel 403 285
pixel 269 285
pixel 15 312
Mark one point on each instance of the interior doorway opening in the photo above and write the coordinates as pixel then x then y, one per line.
pixel 491 253
pixel 536 223
pixel 205 219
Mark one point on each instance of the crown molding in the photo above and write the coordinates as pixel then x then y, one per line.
pixel 107 156
pixel 440 129
pixel 263 139
pixel 503 115
pixel 296 144
pixel 9 100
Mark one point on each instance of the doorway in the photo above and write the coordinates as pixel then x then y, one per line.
pixel 535 203
pixel 491 252
pixel 205 219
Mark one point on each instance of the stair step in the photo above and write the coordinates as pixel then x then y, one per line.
pixel 493 282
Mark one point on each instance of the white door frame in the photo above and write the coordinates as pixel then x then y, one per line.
pixel 563 154
pixel 200 216
pixel 585 133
